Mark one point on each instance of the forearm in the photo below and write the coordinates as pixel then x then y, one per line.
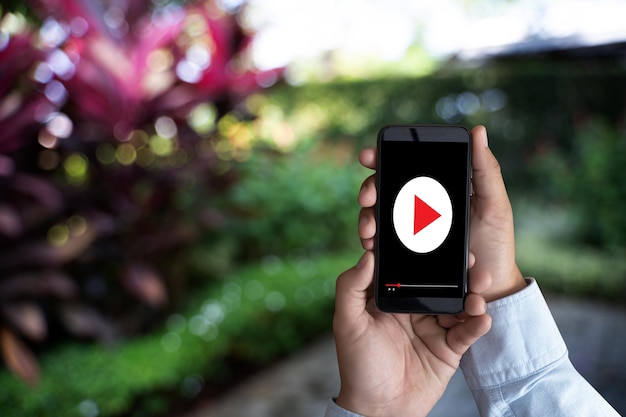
pixel 521 367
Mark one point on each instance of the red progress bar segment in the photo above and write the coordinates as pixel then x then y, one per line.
pixel 398 285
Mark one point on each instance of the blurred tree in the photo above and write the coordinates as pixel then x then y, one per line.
pixel 590 177
pixel 107 118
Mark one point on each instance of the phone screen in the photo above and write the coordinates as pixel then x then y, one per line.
pixel 422 218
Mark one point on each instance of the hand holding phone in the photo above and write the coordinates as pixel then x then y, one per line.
pixel 391 363
pixel 422 217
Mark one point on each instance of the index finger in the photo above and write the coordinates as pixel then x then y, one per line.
pixel 368 158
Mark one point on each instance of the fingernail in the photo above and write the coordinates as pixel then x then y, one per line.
pixel 486 139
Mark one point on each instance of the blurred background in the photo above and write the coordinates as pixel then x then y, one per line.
pixel 178 179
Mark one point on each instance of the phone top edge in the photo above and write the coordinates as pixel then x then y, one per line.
pixel 424 133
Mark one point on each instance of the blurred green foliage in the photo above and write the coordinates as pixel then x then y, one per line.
pixel 256 314
pixel 555 126
pixel 528 105
pixel 591 178
pixel 572 269
pixel 301 202
pixel 547 248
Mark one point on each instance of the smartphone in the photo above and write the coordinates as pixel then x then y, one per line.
pixel 422 216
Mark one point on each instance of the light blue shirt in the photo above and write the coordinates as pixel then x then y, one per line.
pixel 521 367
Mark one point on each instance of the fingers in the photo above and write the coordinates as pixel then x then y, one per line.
pixel 367 228
pixel 475 305
pixel 461 336
pixel 367 194
pixel 368 157
pixel 479 280
pixel 367 221
pixel 352 289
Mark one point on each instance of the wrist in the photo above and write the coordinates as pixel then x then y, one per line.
pixel 366 408
pixel 504 288
pixel 359 409
pixel 357 406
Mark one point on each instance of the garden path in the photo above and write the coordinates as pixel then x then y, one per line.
pixel 302 384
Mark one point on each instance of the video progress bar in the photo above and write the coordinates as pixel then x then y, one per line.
pixel 399 285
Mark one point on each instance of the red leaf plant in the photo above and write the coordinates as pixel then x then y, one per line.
pixel 103 181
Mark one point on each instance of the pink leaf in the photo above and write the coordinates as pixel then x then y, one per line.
pixel 48 283
pixel 83 321
pixel 45 254
pixel 10 221
pixel 144 282
pixel 28 319
pixel 40 190
pixel 19 359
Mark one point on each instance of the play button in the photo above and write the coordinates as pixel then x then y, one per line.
pixel 422 214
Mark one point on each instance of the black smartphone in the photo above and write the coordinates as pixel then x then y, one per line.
pixel 422 215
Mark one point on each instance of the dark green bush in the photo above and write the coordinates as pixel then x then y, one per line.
pixel 528 105
pixel 257 314
pixel 301 202
pixel 591 178
pixel 572 269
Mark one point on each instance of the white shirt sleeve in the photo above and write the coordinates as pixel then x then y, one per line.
pixel 521 367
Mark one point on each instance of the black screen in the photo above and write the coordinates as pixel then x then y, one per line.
pixel 438 272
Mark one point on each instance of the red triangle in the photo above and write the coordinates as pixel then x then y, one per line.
pixel 424 215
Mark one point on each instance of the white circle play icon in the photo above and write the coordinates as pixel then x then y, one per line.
pixel 422 214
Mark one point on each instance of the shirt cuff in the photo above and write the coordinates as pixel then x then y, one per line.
pixel 523 340
pixel 333 410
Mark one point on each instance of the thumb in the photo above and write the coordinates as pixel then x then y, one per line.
pixel 464 334
pixel 486 174
pixel 352 289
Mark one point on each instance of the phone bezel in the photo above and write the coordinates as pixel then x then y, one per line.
pixel 426 133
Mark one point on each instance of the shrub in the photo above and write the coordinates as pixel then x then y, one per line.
pixel 107 120
pixel 302 202
pixel 527 105
pixel 590 178
pixel 255 315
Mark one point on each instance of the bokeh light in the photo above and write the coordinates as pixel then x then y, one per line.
pixel 126 154
pixel 77 225
pixel 76 168
pixel 61 64
pixel 105 153
pixel 202 118
pixel 60 126
pixel 161 146
pixel 58 234
pixel 171 342
pixel 53 33
pixel 88 408
pixel 192 385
